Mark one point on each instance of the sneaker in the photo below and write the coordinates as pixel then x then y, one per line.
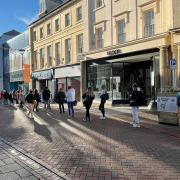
pixel 84 120
pixel 134 125
pixel 138 125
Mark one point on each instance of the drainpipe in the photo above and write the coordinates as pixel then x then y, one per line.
pixel 112 23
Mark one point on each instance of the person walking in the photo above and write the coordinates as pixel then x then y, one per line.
pixel 30 100
pixel 88 98
pixel 60 98
pixel 46 98
pixel 37 98
pixel 104 96
pixel 70 97
pixel 136 100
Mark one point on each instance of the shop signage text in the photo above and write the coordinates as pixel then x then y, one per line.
pixel 114 52
pixel 43 75
pixel 16 76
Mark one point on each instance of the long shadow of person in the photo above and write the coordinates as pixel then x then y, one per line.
pixel 42 130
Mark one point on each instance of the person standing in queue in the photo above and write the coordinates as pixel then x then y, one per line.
pixel 38 100
pixel 70 97
pixel 88 98
pixel 46 98
pixel 136 100
pixel 104 96
pixel 60 98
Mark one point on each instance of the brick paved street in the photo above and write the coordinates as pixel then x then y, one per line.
pixel 105 150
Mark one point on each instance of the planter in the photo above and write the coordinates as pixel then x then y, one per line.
pixel 167 108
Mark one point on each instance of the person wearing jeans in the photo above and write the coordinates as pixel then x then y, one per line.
pixel 136 101
pixel 70 97
pixel 46 98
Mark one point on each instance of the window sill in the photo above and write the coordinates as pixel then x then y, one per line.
pixel 79 21
pixel 66 27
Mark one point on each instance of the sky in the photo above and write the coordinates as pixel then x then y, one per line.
pixel 17 14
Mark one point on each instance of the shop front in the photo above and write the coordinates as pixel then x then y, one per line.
pixel 118 73
pixel 68 76
pixel 43 79
pixel 16 80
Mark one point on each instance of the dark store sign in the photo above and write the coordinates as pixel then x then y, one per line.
pixel 114 52
pixel 16 76
pixel 42 75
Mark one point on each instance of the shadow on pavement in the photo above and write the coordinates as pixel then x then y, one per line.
pixel 42 130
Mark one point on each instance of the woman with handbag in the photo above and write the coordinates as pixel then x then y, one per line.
pixel 88 98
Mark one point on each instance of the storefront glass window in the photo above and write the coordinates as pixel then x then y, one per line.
pixel 100 75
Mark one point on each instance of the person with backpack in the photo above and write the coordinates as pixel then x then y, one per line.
pixel 88 98
pixel 136 100
pixel 104 96
pixel 60 99
pixel 46 98
pixel 30 100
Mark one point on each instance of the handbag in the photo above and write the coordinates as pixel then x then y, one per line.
pixel 75 103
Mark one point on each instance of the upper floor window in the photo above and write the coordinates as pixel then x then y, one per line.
pixel 42 55
pixel 80 44
pixel 79 13
pixel 99 3
pixel 57 25
pixel 41 33
pixel 67 20
pixel 48 29
pixel 99 38
pixel 149 23
pixel 121 31
pixel 35 60
pixel 57 53
pixel 68 50
pixel 34 36
pixel 49 56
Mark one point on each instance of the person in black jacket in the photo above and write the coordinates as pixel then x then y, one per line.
pixel 60 99
pixel 30 100
pixel 88 98
pixel 46 98
pixel 37 97
pixel 136 100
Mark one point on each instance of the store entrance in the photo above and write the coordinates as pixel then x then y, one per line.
pixel 126 74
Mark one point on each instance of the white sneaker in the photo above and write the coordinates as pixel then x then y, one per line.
pixel 138 125
pixel 102 118
pixel 84 120
pixel 134 125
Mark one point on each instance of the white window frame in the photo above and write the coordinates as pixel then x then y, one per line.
pixel 49 56
pixel 68 47
pixel 121 31
pixel 57 25
pixel 41 33
pixel 149 23
pixel 58 53
pixel 79 14
pixel 42 58
pixel 67 20
pixel 99 4
pixel 79 40
pixel 99 41
pixel 49 29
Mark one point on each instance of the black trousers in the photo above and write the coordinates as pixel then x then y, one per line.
pixel 101 108
pixel 88 106
pixel 61 107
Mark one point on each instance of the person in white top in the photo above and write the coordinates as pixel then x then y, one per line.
pixel 70 97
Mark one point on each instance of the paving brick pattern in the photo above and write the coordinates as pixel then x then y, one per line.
pixel 102 149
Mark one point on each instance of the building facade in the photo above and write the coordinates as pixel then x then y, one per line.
pixel 16 64
pixel 129 42
pixel 56 47
pixel 3 38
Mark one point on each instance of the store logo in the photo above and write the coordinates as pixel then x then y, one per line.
pixel 114 52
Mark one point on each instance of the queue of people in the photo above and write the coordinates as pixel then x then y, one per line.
pixel 34 98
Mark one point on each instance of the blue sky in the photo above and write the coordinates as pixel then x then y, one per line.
pixel 16 14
